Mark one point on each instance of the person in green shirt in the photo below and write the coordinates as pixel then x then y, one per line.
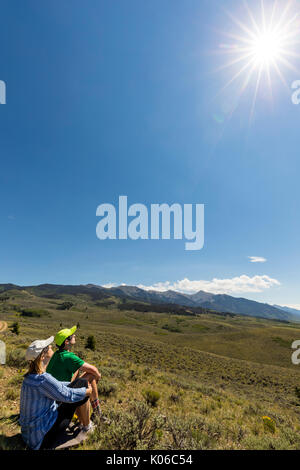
pixel 66 366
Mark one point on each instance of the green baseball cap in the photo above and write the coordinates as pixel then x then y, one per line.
pixel 62 335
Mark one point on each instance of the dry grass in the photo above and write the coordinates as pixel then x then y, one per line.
pixel 216 379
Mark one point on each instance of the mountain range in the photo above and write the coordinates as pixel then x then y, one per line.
pixel 293 311
pixel 217 302
pixel 205 300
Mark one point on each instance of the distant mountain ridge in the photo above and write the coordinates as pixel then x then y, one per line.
pixel 294 311
pixel 217 302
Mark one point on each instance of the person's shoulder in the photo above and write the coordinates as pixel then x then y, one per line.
pixel 71 355
pixel 34 379
pixel 75 360
pixel 48 378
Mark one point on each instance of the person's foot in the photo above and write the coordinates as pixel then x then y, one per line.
pixel 76 424
pixel 90 427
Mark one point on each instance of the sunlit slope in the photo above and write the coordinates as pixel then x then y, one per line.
pixel 225 372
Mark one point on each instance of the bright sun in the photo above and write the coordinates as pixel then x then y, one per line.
pixel 266 48
pixel 263 45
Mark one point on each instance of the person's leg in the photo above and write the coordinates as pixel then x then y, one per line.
pixel 65 414
pixel 51 435
pixel 92 381
pixel 94 395
pixel 82 411
pixel 64 417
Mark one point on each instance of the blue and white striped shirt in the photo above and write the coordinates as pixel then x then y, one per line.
pixel 38 407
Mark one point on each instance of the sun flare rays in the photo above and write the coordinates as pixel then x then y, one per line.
pixel 262 45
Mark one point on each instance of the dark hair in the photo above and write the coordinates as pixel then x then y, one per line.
pixel 62 346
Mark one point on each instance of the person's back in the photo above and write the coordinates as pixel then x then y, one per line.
pixel 40 416
pixel 63 365
pixel 66 366
pixel 38 405
pixel 37 411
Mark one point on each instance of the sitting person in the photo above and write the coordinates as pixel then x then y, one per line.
pixel 66 366
pixel 41 418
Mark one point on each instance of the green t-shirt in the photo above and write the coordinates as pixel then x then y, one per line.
pixel 63 364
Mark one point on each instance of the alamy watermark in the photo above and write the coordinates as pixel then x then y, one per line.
pixel 296 94
pixel 2 353
pixel 2 92
pixel 295 356
pixel 187 221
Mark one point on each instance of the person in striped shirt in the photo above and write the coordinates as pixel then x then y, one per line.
pixel 41 418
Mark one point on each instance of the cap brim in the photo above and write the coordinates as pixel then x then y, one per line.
pixel 31 355
pixel 73 329
pixel 49 341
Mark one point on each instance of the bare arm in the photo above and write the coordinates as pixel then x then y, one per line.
pixel 89 369
pixel 75 375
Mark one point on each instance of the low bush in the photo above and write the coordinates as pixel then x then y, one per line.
pixel 16 358
pixel 172 328
pixel 133 375
pixel 15 328
pixel 35 313
pixel 151 397
pixel 269 424
pixel 133 429
pixel 174 397
pixel 65 306
pixel 297 392
pixel 116 372
pixel 16 380
pixel 185 434
pixel 12 394
pixel 106 388
pixel 91 343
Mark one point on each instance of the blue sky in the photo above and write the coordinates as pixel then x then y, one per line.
pixel 125 98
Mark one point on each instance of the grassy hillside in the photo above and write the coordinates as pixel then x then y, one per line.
pixel 216 376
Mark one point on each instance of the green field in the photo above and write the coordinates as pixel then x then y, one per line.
pixel 216 376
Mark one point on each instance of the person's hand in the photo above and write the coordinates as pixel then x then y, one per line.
pixel 98 377
pixel 88 391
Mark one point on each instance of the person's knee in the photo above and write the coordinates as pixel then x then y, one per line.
pixel 84 383
pixel 79 383
pixel 91 379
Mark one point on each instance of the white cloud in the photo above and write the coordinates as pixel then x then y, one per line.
pixel 109 285
pixel 257 259
pixel 235 285
pixel 112 284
